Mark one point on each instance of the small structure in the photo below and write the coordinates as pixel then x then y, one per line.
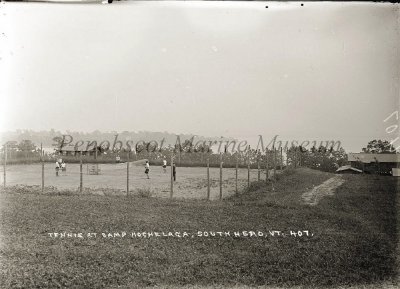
pixel 93 169
pixel 375 163
pixel 348 169
pixel 73 153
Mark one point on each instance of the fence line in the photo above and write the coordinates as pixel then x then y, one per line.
pixel 269 156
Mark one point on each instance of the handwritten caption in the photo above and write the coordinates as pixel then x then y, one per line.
pixel 181 234
pixel 394 128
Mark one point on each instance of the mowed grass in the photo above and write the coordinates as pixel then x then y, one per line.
pixel 354 241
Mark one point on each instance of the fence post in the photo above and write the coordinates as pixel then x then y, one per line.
pixel 41 158
pixel 81 174
pixel 172 177
pixel 220 177
pixel 5 165
pixel 248 167
pixel 274 163
pixel 236 175
pixel 208 178
pixel 127 174
pixel 286 161
pixel 266 166
pixel 258 166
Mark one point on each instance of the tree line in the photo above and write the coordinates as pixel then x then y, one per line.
pixel 320 158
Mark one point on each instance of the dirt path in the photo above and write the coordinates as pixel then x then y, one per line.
pixel 327 188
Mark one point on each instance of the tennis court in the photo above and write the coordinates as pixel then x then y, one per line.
pixel 191 182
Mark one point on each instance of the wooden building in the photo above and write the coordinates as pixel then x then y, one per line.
pixel 375 163
pixel 76 151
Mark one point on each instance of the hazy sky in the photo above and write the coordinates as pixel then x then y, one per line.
pixel 327 71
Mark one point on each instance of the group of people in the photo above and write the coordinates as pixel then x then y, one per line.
pixel 164 166
pixel 60 165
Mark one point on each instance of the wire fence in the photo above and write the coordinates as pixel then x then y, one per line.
pixel 129 177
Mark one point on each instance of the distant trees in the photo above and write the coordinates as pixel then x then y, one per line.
pixel 57 140
pixel 331 160
pixel 25 149
pixel 379 147
pixel 324 159
pixel 12 147
pixel 26 146
pixel 22 146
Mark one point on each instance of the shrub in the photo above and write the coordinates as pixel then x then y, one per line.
pixel 255 186
pixel 144 192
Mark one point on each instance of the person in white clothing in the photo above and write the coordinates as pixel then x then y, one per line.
pixel 164 165
pixel 57 167
pixel 63 168
pixel 147 169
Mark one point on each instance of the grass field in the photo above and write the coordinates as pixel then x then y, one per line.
pixel 354 238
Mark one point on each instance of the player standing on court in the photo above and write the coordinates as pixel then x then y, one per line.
pixel 164 165
pixel 57 167
pixel 63 167
pixel 174 171
pixel 147 169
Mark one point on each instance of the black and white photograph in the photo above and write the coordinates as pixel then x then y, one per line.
pixel 199 144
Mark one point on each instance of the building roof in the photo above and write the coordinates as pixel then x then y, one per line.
pixel 348 167
pixel 373 158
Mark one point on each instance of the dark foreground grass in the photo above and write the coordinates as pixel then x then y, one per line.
pixel 354 241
